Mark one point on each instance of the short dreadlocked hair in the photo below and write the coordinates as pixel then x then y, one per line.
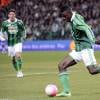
pixel 64 8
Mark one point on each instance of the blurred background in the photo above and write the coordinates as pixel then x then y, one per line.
pixel 41 17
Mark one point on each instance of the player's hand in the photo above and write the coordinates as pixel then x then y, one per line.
pixel 97 42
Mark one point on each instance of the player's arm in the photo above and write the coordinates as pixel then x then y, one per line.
pixel 81 25
pixel 23 31
pixel 22 28
pixel 3 35
pixel 88 32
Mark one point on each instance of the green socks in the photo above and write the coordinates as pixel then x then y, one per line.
pixel 17 63
pixel 64 78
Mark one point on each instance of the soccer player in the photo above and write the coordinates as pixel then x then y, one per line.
pixel 84 40
pixel 14 31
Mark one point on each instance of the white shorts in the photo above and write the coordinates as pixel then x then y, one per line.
pixel 12 50
pixel 86 55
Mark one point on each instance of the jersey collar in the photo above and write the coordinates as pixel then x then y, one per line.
pixel 73 15
pixel 14 21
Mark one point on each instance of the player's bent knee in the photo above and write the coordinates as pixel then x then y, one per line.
pixel 61 67
pixel 92 73
pixel 93 70
pixel 18 55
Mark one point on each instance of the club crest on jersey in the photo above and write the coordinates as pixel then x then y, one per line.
pixel 12 29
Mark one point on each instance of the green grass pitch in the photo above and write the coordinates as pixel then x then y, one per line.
pixel 40 69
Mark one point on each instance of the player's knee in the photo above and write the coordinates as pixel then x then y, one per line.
pixel 60 67
pixel 18 55
pixel 92 70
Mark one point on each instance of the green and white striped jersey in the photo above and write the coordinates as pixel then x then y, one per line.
pixel 81 33
pixel 15 31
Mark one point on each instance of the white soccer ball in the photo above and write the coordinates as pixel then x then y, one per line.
pixel 51 90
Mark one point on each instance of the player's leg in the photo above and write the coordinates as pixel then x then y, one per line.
pixel 90 61
pixel 17 58
pixel 11 52
pixel 63 72
pixel 12 55
pixel 93 69
pixel 18 64
pixel 14 63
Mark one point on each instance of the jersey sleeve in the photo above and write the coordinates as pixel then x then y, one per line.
pixel 3 28
pixel 22 29
pixel 3 31
pixel 81 25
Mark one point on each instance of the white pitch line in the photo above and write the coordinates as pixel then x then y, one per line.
pixel 30 74
pixel 27 74
pixel 42 73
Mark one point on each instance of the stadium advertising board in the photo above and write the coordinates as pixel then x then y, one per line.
pixel 46 45
pixel 53 45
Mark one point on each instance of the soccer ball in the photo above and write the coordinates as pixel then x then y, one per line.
pixel 51 90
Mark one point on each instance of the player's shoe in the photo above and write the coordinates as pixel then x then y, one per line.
pixel 19 74
pixel 63 94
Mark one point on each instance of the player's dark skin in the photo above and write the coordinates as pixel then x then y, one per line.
pixel 67 61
